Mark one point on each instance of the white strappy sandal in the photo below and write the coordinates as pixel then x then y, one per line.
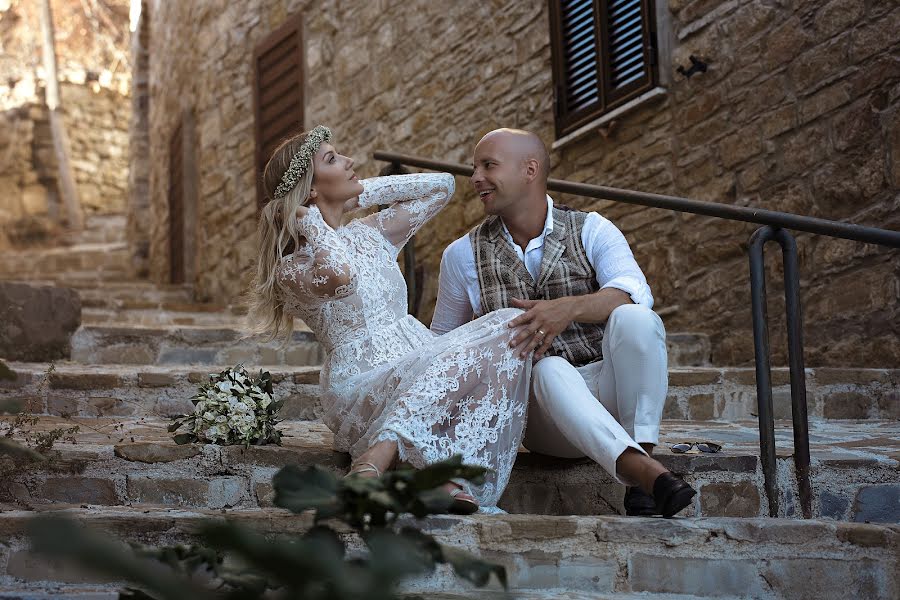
pixel 462 506
pixel 363 467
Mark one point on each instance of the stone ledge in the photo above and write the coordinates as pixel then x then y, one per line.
pixel 771 556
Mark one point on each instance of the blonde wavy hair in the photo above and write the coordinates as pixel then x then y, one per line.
pixel 277 235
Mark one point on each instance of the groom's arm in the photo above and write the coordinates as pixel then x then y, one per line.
pixel 618 274
pixel 453 307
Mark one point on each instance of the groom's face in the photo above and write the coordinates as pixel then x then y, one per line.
pixel 498 178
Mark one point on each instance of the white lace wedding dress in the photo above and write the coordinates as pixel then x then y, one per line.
pixel 388 377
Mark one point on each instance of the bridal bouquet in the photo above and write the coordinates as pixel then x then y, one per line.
pixel 232 408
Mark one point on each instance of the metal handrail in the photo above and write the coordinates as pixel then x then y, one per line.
pixel 774 227
pixel 848 231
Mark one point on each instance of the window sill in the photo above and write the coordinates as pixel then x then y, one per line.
pixel 649 96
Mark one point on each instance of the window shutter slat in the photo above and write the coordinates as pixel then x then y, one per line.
pixel 603 56
pixel 627 57
pixel 579 37
pixel 278 92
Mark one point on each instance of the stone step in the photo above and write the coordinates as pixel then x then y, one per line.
pixel 157 391
pixel 68 263
pixel 47 590
pixel 574 557
pixel 128 344
pixel 124 461
pixel 695 394
pixel 134 295
pixel 215 344
pixel 165 315
pixel 99 229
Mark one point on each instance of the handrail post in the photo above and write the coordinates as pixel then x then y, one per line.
pixel 763 369
pixel 795 360
pixel 797 368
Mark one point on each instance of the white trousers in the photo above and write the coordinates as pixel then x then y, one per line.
pixel 602 408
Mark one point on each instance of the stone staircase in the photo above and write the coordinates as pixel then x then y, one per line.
pixel 142 350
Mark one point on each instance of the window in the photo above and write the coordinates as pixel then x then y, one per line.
pixel 604 54
pixel 278 92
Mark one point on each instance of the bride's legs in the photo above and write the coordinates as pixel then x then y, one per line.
pixel 382 456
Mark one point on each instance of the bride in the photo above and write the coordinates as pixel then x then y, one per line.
pixel 392 388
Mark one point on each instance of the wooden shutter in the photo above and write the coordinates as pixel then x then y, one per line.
pixel 278 92
pixel 176 206
pixel 604 54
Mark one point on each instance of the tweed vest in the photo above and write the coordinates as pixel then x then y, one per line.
pixel 565 271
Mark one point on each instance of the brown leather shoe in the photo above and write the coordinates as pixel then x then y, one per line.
pixel 672 494
pixel 638 503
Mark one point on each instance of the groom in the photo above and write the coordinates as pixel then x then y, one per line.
pixel 600 374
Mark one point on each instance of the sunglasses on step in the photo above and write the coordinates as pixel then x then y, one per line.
pixel 707 447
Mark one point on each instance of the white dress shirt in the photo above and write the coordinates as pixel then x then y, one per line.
pixel 459 294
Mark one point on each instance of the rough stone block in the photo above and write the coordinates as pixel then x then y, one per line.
pixel 147 452
pixel 38 321
pixel 226 492
pixel 11 405
pixel 303 354
pixel 729 499
pixel 688 349
pixel 155 380
pixel 26 566
pixel 847 405
pixel 693 377
pixel 13 380
pixel 780 376
pixel 865 535
pixel 133 354
pixel 62 405
pixel 78 490
pixel 877 504
pixel 889 405
pixel 702 407
pixel 833 506
pixel 265 494
pixel 234 356
pixel 99 406
pixel 835 376
pixel 307 376
pixel 84 381
pixel 672 409
pixel 178 492
pixel 187 356
pixel 700 577
pixel 781 404
pixel 814 578
pixel 303 406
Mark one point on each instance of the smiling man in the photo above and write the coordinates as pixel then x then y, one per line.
pixel 600 370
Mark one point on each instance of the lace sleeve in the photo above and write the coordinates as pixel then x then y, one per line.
pixel 321 267
pixel 413 200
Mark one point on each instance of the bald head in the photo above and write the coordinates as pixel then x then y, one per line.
pixel 520 144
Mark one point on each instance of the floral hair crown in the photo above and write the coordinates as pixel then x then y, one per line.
pixel 302 160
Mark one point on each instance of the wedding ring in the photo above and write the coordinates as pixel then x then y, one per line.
pixel 541 333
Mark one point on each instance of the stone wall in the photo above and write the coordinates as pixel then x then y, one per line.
pixel 799 111
pixel 94 90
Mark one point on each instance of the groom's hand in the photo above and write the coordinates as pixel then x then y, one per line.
pixel 542 321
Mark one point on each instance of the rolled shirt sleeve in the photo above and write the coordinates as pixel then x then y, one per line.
pixel 613 261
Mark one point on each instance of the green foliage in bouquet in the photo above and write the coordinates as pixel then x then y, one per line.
pixel 232 562
pixel 232 408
